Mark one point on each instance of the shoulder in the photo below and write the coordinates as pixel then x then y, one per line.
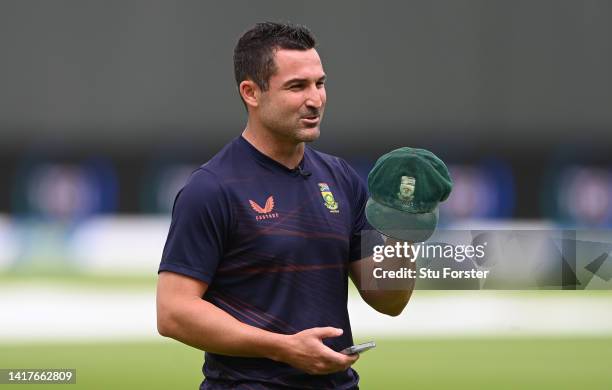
pixel 202 188
pixel 208 179
pixel 226 158
pixel 204 178
pixel 336 163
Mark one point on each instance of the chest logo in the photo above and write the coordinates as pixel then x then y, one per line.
pixel 266 211
pixel 328 198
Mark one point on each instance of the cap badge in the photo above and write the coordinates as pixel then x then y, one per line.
pixel 406 189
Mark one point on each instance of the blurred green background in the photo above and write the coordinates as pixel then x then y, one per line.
pixel 455 360
pixel 471 363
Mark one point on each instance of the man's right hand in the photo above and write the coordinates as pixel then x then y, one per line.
pixel 305 351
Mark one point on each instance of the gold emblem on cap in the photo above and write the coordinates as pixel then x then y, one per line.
pixel 406 188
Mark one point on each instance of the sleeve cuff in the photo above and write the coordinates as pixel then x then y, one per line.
pixel 203 276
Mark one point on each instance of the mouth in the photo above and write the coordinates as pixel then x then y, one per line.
pixel 311 119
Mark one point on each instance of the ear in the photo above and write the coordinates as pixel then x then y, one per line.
pixel 250 92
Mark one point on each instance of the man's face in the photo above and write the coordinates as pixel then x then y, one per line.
pixel 293 105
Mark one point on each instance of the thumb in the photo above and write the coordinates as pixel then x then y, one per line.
pixel 328 331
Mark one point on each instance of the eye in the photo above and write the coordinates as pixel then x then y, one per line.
pixel 295 87
pixel 320 84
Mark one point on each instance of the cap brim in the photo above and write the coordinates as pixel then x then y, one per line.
pixel 401 225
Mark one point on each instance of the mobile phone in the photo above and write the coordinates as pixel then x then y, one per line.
pixel 359 348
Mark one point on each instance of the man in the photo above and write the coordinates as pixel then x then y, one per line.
pixel 264 236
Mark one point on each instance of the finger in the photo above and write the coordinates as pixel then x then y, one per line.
pixel 326 332
pixel 349 358
pixel 344 363
pixel 340 358
pixel 352 359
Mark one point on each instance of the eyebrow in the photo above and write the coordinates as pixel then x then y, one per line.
pixel 301 80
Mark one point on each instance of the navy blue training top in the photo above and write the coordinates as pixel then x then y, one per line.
pixel 274 246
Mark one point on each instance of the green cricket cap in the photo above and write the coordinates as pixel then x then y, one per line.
pixel 406 185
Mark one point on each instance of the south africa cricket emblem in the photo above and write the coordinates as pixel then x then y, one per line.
pixel 328 198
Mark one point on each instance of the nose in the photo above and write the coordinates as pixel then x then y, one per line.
pixel 315 98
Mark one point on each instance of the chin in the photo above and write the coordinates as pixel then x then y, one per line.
pixel 308 134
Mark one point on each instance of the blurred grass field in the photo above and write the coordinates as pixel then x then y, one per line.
pixel 470 363
pixel 396 363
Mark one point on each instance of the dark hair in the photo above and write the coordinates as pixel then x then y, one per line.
pixel 254 52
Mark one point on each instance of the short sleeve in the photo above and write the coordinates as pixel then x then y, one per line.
pixel 363 236
pixel 199 228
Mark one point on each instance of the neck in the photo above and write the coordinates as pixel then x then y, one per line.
pixel 284 151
